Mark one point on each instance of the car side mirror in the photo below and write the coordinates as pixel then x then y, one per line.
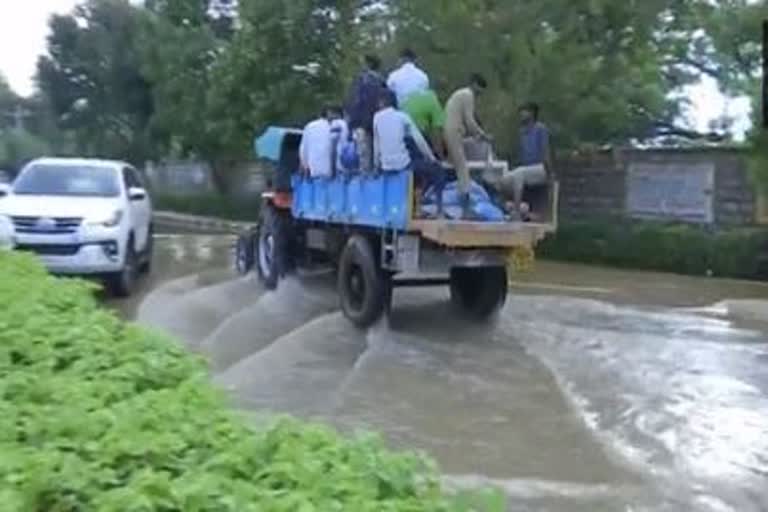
pixel 5 189
pixel 137 194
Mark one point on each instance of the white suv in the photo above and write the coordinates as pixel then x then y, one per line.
pixel 83 217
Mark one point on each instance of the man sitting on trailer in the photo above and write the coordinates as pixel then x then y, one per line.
pixel 339 135
pixel 535 159
pixel 398 145
pixel 316 149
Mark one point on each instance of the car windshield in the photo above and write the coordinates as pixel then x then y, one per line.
pixel 68 180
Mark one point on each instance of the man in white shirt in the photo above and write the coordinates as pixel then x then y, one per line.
pixel 408 78
pixel 316 149
pixel 398 144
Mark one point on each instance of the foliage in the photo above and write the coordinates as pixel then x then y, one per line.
pixel 18 147
pixel 187 78
pixel 680 248
pixel 8 102
pixel 210 205
pixel 96 414
pixel 93 81
pixel 177 52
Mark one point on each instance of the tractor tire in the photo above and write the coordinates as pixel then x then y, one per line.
pixel 362 286
pixel 480 292
pixel 274 245
pixel 244 253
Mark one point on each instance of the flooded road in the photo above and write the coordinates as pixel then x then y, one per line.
pixel 594 390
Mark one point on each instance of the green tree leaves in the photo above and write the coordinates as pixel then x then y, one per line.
pixel 93 82
pixel 170 79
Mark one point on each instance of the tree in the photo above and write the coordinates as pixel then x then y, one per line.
pixel 284 62
pixel 19 146
pixel 93 82
pixel 10 105
pixel 179 52
pixel 214 90
pixel 602 70
pixel 200 78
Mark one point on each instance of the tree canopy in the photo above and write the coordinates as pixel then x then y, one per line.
pixel 192 77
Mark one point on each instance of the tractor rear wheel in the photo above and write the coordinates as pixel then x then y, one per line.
pixel 363 287
pixel 480 291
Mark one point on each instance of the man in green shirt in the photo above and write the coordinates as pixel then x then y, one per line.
pixel 425 110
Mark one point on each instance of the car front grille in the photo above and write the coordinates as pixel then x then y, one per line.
pixel 50 249
pixel 47 225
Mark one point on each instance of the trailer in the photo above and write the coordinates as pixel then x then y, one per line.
pixel 368 229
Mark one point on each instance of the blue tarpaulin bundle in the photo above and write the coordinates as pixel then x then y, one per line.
pixel 480 203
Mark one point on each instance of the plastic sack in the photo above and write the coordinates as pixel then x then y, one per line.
pixel 480 203
pixel 349 156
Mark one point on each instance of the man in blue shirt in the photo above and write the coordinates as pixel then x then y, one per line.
pixel 535 161
pixel 361 105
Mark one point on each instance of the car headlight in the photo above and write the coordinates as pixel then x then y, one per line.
pixel 108 221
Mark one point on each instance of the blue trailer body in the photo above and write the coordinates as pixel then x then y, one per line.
pixel 381 201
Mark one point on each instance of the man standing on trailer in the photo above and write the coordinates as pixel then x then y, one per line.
pixel 461 122
pixel 398 145
pixel 361 105
pixel 408 78
pixel 427 113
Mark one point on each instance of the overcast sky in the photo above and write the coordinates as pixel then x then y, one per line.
pixel 23 33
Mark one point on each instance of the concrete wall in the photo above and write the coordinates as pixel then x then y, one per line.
pixel 599 184
pixel 592 185
pixel 196 178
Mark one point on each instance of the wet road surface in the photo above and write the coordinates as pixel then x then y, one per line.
pixel 594 390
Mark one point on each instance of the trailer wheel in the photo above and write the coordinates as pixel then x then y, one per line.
pixel 480 291
pixel 362 285
pixel 244 253
pixel 272 246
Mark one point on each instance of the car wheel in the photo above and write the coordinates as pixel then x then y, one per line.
pixel 123 283
pixel 149 252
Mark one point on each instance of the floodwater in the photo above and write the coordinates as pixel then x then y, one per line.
pixel 594 390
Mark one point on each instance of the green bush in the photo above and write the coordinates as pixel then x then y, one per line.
pixel 209 205
pixel 96 414
pixel 679 248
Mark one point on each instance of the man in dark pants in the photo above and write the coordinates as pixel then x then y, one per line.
pixel 361 105
pixel 428 172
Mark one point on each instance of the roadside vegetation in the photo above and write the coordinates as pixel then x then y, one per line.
pixel 678 248
pixel 210 205
pixel 97 414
